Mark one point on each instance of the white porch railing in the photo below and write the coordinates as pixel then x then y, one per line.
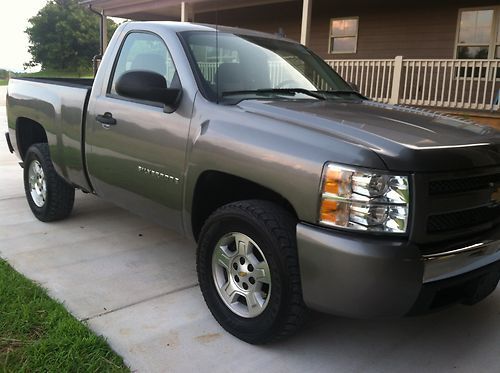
pixel 451 84
pixel 276 71
pixel 455 84
pixel 208 69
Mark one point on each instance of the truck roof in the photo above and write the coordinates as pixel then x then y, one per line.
pixel 187 26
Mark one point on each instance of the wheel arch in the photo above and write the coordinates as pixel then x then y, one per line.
pixel 28 132
pixel 215 189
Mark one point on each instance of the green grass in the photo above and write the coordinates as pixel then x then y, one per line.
pixel 52 74
pixel 37 334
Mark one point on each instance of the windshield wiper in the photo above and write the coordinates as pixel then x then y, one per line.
pixel 341 92
pixel 285 91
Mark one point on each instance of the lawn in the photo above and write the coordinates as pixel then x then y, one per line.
pixel 52 74
pixel 38 334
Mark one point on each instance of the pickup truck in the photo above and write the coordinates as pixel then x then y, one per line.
pixel 300 192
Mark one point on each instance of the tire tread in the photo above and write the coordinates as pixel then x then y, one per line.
pixel 282 226
pixel 60 194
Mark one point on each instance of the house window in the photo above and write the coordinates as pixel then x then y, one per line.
pixel 478 34
pixel 344 35
pixel 497 46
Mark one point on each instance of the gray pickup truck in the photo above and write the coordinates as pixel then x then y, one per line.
pixel 299 191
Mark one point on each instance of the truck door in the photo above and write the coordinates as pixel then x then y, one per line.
pixel 136 156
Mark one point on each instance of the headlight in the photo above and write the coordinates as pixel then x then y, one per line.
pixel 364 200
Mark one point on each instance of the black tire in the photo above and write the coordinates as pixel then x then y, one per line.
pixel 59 195
pixel 273 230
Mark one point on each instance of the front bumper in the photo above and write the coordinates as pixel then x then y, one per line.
pixel 369 277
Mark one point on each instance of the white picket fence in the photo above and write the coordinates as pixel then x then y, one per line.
pixel 455 84
pixel 276 71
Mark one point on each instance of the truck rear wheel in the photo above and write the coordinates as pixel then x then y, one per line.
pixel 49 196
pixel 248 271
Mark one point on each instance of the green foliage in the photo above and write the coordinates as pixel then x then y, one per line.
pixel 38 335
pixel 64 36
pixel 4 77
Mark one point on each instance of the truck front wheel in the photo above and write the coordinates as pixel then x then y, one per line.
pixel 49 196
pixel 248 270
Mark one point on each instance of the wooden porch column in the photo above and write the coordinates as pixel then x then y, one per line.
pixel 184 12
pixel 104 29
pixel 306 22
pixel 187 12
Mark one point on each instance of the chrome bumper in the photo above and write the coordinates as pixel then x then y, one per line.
pixel 453 263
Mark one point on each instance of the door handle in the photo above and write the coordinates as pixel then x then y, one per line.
pixel 106 118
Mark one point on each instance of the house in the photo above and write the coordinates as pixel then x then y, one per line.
pixel 441 54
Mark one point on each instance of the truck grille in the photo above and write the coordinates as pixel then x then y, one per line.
pixel 462 219
pixel 439 187
pixel 454 205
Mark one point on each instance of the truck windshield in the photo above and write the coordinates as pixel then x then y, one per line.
pixel 234 67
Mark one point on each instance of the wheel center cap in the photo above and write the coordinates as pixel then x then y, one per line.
pixel 242 274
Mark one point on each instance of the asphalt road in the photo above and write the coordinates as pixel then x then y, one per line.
pixel 135 283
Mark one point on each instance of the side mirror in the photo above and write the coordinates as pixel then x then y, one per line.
pixel 148 86
pixel 354 86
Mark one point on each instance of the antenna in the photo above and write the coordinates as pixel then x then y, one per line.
pixel 217 52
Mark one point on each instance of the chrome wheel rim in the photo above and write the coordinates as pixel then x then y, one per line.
pixel 241 275
pixel 37 183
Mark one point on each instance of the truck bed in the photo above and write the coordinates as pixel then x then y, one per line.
pixel 59 105
pixel 68 82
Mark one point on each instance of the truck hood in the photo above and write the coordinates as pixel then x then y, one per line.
pixel 406 139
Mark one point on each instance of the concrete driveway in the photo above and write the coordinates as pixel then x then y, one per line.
pixel 135 283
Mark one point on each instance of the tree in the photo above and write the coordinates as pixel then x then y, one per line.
pixel 64 36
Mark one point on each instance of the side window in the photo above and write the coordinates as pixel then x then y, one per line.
pixel 147 52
